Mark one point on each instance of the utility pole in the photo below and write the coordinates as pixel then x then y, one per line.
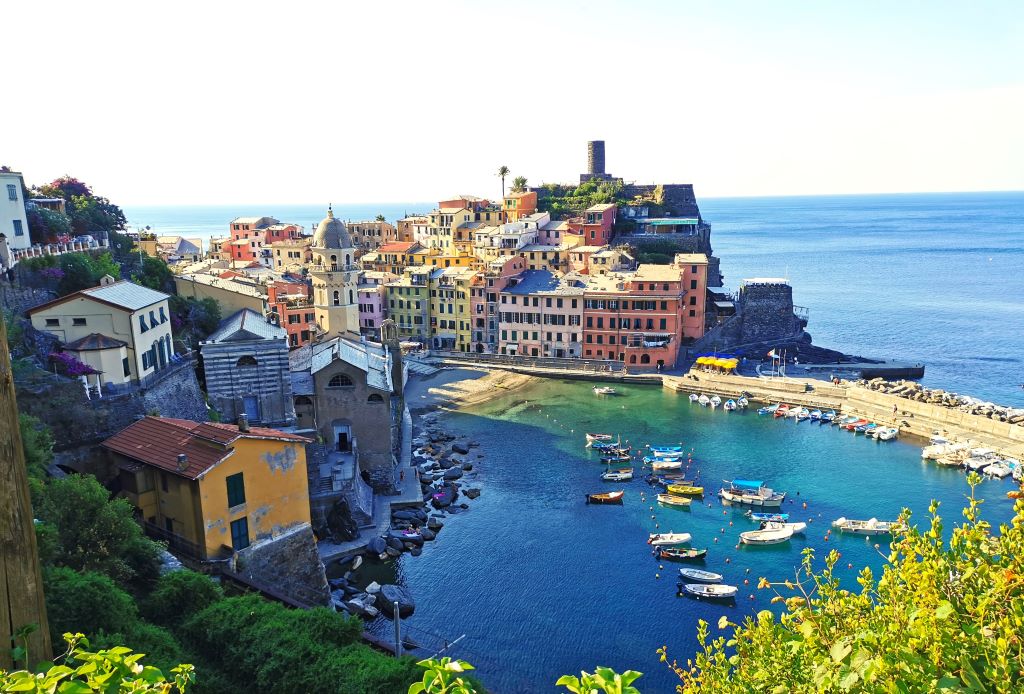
pixel 21 583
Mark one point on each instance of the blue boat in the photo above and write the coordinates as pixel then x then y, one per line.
pixel 828 417
pixel 769 409
pixel 769 517
pixel 602 445
pixel 663 459
pixel 666 449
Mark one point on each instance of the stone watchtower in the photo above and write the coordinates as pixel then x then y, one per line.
pixel 595 158
pixel 335 279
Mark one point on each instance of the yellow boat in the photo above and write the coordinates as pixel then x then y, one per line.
pixel 673 500
pixel 685 489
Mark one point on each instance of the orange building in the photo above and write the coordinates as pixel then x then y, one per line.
pixel 521 204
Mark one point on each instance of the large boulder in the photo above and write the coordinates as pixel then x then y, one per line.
pixel 389 595
pixel 460 448
pixel 453 474
pixel 377 545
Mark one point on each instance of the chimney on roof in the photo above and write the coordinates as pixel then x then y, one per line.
pixel 243 422
pixel 182 462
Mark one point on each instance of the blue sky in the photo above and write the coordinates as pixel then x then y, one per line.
pixel 230 102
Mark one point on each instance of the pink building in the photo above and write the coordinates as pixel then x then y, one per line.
pixel 541 315
pixel 595 226
pixel 373 300
pixel 484 298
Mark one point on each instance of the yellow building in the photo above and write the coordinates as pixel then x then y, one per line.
pixel 291 254
pixel 211 489
pixel 451 320
pixel 231 290
pixel 134 319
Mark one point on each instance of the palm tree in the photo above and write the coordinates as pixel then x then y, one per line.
pixel 380 218
pixel 519 184
pixel 503 172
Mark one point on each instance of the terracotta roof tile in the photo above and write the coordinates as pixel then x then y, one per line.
pixel 157 441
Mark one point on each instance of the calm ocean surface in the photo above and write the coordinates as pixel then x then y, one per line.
pixel 543 585
pixel 933 278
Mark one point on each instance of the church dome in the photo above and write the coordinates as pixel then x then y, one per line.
pixel 331 233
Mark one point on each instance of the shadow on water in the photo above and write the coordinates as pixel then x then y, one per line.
pixel 543 584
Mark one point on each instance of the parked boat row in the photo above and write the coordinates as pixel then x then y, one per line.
pixel 730 405
pixel 858 425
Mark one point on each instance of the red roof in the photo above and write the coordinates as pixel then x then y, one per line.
pixel 397 247
pixel 157 441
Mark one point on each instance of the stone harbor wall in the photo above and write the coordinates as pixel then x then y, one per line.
pixel 290 564
pixel 764 316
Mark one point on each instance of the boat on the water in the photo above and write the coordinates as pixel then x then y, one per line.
pixel 667 478
pixel 815 415
pixel 700 575
pixel 866 429
pixel 703 400
pixel 606 497
pixel 666 463
pixel 604 390
pixel 591 438
pixel 685 490
pixel 616 458
pixel 886 433
pixel 666 450
pixel 712 591
pixel 999 470
pixel 872 526
pixel 752 493
pixel 828 417
pixel 606 445
pixel 781 411
pixel 802 414
pixel 772 517
pixel 679 554
pixel 663 459
pixel 767 409
pixel 729 405
pixel 668 539
pixel 797 527
pixel 843 421
pixel 766 537
pixel 693 397
pixel 674 500
pixel 852 426
pixel 617 475
pixel 715 401
pixel 743 403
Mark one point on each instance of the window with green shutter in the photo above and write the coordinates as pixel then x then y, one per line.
pixel 236 490
pixel 240 534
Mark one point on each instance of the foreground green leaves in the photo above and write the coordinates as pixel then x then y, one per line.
pixel 444 676
pixel 82 672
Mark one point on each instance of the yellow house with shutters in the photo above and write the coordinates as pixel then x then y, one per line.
pixel 211 489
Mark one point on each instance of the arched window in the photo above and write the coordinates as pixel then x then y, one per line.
pixel 340 381
pixel 375 398
pixel 645 358
pixel 632 358
pixel 337 298
pixel 334 260
pixel 247 360
pixel 302 400
pixel 348 259
pixel 350 299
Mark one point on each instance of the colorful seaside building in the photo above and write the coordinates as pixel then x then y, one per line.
pixel 541 315
pixel 373 300
pixel 519 204
pixel 450 308
pixel 409 303
pixel 372 235
pixel 292 302
pixel 485 299
pixel 594 226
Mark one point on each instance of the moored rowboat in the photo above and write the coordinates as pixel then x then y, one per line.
pixel 606 498
pixel 674 500
pixel 700 575
pixel 717 591
pixel 679 554
pixel 765 537
pixel 685 489
pixel 661 539
pixel 617 475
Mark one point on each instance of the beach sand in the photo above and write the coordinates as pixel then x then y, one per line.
pixel 452 389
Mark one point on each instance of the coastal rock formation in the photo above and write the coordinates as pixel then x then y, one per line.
pixel 913 390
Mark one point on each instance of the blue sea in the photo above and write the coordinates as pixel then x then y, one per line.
pixel 933 278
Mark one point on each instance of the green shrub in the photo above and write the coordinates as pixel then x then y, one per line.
pixel 159 646
pixel 178 596
pixel 86 602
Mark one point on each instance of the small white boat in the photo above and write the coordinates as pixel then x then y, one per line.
pixel 700 575
pixel 703 400
pixel 591 438
pixel 999 470
pixel 979 462
pixel 665 539
pixel 674 500
pixel 718 591
pixel 872 526
pixel 752 493
pixel 768 409
pixel 766 537
pixel 886 433
pixel 743 403
pixel 797 527
pixel 604 390
pixel 667 452
pixel 694 397
pixel 815 415
pixel 617 475
pixel 794 412
pixel 715 401
pixel 951 460
pixel 666 464
pixel 729 405
pixel 802 414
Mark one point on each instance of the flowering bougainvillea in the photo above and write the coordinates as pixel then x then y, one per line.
pixel 52 274
pixel 70 366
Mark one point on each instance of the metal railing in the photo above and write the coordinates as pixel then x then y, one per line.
pixel 564 363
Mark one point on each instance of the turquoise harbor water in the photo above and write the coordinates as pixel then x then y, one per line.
pixel 542 584
pixel 932 278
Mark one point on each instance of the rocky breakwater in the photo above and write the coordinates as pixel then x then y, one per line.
pixel 447 467
pixel 913 390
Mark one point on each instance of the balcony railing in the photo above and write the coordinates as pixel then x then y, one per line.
pixel 334 267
